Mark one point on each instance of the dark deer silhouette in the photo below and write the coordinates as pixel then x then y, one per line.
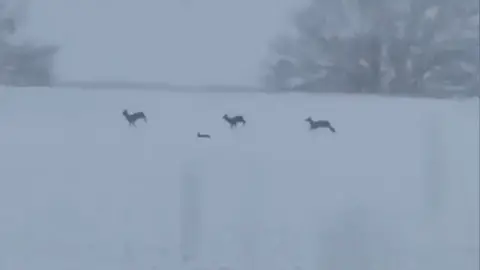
pixel 320 124
pixel 132 118
pixel 233 121
pixel 200 135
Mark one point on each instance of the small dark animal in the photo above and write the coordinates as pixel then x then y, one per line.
pixel 233 121
pixel 199 135
pixel 132 118
pixel 320 124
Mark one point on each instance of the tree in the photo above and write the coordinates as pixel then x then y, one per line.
pixel 380 46
pixel 24 64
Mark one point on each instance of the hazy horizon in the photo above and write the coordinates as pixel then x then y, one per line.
pixel 170 40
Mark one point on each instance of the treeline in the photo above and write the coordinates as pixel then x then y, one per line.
pixel 416 47
pixel 22 64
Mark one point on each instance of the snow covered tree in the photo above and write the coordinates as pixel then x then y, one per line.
pixel 412 47
pixel 22 64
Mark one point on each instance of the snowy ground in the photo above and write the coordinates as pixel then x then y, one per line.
pixel 396 188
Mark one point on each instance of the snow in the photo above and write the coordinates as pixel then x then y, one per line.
pixel 397 187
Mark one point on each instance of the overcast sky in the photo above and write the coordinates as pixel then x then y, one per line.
pixel 179 41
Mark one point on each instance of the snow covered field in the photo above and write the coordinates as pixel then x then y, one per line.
pixel 396 188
